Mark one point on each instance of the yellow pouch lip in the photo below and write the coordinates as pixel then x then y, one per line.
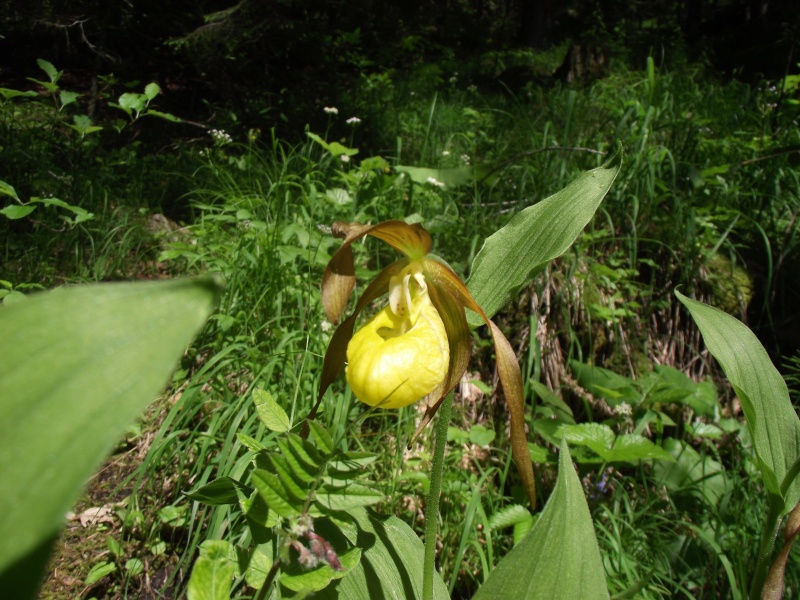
pixel 395 361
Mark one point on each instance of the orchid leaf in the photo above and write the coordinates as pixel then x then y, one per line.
pixel 534 237
pixel 769 413
pixel 559 557
pixel 77 366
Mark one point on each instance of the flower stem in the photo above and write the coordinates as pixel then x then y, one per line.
pixel 769 535
pixel 432 505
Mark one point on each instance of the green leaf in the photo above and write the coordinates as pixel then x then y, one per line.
pixel 321 435
pixel 601 382
pixel 335 148
pixel 480 436
pixel 8 93
pixel 534 237
pixel 692 473
pixel 211 579
pixel 273 492
pixel 391 562
pixel 16 211
pixel 258 568
pixel 83 125
pixel 134 566
pixel 510 516
pixel 600 439
pixel 770 416
pixel 151 90
pixel 114 547
pixel 131 103
pixel 319 577
pixel 162 115
pixel 99 571
pixel 81 214
pixel 349 495
pixel 52 73
pixel 77 365
pixel 632 448
pixel 559 558
pixel 218 492
pixel 270 412
pixel 8 190
pixel 554 403
pixel 67 98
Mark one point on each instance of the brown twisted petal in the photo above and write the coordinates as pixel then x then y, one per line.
pixel 507 368
pixel 339 278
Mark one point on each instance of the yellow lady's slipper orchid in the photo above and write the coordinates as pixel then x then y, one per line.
pixel 401 355
pixel 419 344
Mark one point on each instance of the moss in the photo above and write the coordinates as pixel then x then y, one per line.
pixel 731 285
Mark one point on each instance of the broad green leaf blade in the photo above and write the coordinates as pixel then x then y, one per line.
pixel 610 386
pixel 692 473
pixel 16 211
pixel 534 237
pixel 298 579
pixel 270 412
pixel 631 447
pixel 349 495
pixel 391 560
pixel 211 579
pixel 772 420
pixel 218 492
pixel 598 437
pixel 77 366
pixel 559 558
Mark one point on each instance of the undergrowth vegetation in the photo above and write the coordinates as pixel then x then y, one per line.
pixel 706 201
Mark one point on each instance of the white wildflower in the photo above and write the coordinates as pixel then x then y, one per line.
pixel 220 137
pixel 331 110
pixel 353 121
pixel 465 159
pixel 344 158
pixel 436 182
pixel 445 152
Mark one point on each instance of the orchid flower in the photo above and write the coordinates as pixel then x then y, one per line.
pixel 418 345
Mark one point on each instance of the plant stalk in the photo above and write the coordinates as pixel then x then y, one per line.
pixel 432 505
pixel 767 548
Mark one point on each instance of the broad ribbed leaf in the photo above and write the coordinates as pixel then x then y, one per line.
pixel 534 237
pixel 211 579
pixel 349 495
pixel 77 366
pixel 559 558
pixel 770 416
pixel 297 579
pixel 391 561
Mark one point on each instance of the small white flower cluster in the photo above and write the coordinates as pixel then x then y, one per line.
pixel 436 182
pixel 353 121
pixel 445 152
pixel 465 158
pixel 331 110
pixel 344 158
pixel 220 137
